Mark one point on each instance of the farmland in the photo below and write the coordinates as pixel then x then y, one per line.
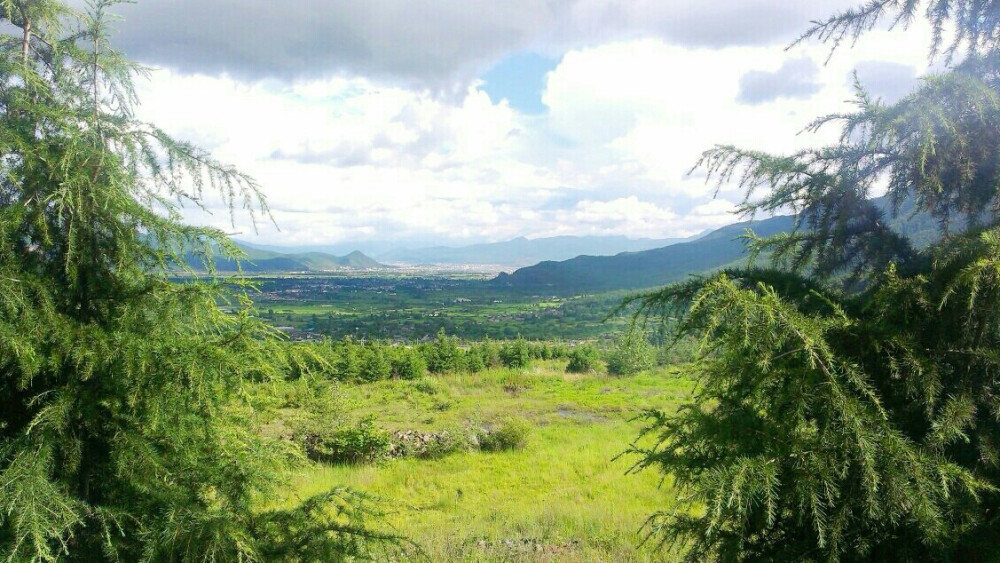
pixel 407 308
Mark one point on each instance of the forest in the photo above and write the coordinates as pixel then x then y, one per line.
pixel 832 393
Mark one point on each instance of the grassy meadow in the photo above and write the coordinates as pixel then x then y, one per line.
pixel 561 497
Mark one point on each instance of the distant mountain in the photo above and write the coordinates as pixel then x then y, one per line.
pixel 648 268
pixel 261 260
pixel 368 247
pixel 660 266
pixel 523 251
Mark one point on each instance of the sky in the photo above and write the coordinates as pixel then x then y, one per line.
pixel 459 121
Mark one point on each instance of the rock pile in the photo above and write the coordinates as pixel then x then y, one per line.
pixel 413 443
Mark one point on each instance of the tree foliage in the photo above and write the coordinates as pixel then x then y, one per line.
pixel 848 399
pixel 630 354
pixel 123 433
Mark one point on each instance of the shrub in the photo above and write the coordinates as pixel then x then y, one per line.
pixel 631 354
pixel 511 434
pixel 515 354
pixel 443 355
pixel 559 350
pixel 428 385
pixel 583 359
pixel 447 442
pixel 364 442
pixel 408 363
pixel 349 360
pixel 490 352
pixel 474 360
pixel 432 445
pixel 375 364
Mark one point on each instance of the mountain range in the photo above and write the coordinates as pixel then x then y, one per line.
pixel 513 253
pixel 660 266
pixel 648 268
pixel 567 264
pixel 260 260
pixel 524 251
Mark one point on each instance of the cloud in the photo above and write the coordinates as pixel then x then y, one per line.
pixel 349 157
pixel 429 44
pixel 887 80
pixel 796 78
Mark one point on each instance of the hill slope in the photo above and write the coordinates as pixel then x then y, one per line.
pixel 259 260
pixel 720 248
pixel 635 270
pixel 523 251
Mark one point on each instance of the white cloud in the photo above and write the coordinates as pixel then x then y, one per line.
pixel 349 158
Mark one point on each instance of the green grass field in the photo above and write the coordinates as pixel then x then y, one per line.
pixel 563 497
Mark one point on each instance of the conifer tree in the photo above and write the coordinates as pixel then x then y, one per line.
pixel 124 435
pixel 848 404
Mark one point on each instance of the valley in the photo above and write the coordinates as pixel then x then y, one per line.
pixel 406 308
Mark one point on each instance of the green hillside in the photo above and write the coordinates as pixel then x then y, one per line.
pixel 635 270
pixel 716 250
pixel 525 252
pixel 259 260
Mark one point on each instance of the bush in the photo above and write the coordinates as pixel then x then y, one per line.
pixel 511 434
pixel 677 352
pixel 559 350
pixel 428 385
pixel 364 442
pixel 443 355
pixel 515 354
pixel 631 354
pixel 375 364
pixel 348 360
pixel 490 352
pixel 408 363
pixel 584 359
pixel 474 360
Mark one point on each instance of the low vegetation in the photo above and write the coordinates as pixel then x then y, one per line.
pixel 414 308
pixel 479 472
pixel 842 404
pixel 847 399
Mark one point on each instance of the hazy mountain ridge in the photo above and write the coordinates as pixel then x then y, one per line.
pixel 516 252
pixel 523 251
pixel 661 266
pixel 648 268
pixel 262 260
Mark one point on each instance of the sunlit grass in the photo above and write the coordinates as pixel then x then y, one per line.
pixel 564 497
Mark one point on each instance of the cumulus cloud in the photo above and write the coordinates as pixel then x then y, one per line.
pixel 429 44
pixel 795 79
pixel 349 157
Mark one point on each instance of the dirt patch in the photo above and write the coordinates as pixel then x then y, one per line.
pixel 580 415
pixel 527 549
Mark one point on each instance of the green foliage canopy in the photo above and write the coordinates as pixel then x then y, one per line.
pixel 848 397
pixel 124 434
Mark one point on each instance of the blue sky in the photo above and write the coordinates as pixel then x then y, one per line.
pixel 464 121
pixel 519 79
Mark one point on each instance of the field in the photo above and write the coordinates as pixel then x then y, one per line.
pixel 411 308
pixel 562 497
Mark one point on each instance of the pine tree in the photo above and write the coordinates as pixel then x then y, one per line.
pixel 124 434
pixel 848 396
